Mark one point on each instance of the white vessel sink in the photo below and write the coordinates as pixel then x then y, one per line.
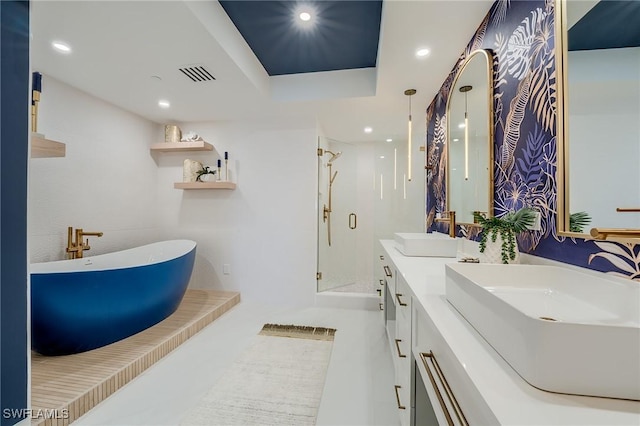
pixel 561 330
pixel 422 244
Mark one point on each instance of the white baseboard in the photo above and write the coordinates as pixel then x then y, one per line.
pixel 336 299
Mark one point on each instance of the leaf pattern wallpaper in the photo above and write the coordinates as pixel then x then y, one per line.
pixel 521 36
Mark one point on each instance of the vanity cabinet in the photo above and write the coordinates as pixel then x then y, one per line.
pixel 415 348
pixel 381 279
pixel 387 284
pixel 447 374
pixel 436 401
pixel 401 350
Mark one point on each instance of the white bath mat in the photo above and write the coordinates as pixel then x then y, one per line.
pixel 278 380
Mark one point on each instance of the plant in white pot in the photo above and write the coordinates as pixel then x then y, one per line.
pixel 498 240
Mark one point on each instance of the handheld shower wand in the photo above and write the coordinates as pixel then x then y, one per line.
pixel 326 215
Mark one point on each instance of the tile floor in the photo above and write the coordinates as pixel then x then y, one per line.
pixel 78 382
pixel 358 389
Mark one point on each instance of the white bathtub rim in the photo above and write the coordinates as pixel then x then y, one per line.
pixel 149 254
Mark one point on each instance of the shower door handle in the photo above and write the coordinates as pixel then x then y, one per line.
pixel 353 221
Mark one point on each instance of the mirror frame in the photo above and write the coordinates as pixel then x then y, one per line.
pixel 488 56
pixel 562 133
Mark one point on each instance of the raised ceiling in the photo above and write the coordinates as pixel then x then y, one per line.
pixel 339 35
pixel 608 25
pixel 129 53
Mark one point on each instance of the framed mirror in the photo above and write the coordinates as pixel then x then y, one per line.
pixel 470 139
pixel 599 120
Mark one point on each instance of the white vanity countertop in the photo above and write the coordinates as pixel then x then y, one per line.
pixel 511 399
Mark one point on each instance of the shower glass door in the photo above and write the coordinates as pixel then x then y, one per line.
pixel 337 215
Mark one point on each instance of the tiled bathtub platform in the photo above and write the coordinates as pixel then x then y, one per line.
pixel 74 384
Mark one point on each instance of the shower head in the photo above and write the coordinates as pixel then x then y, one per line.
pixel 334 156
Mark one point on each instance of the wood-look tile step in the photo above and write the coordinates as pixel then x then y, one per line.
pixel 81 381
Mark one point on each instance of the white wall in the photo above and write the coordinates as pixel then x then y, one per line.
pixel 106 182
pixel 109 181
pixel 265 230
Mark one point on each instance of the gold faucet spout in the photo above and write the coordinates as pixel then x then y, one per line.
pixel 451 219
pixel 92 234
pixel 605 233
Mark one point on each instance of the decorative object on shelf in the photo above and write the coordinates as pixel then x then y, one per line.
pixel 219 166
pixel 578 221
pixel 191 136
pixel 190 170
pixel 498 242
pixel 205 175
pixel 226 166
pixel 172 133
pixel 36 89
pixel 41 147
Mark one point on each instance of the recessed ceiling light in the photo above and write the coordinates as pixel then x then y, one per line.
pixel 368 130
pixel 61 47
pixel 461 126
pixel 456 140
pixel 422 52
pixel 164 103
pixel 304 16
pixel 389 140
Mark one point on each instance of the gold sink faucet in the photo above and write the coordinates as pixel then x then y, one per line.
pixel 450 217
pixel 75 249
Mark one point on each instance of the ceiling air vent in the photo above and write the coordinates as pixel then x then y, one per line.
pixel 197 73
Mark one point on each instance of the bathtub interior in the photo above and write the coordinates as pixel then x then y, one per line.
pixel 143 255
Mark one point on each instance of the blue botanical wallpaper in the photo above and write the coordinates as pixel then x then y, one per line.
pixel 520 35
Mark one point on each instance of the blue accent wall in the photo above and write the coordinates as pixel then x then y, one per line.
pixel 14 134
pixel 521 36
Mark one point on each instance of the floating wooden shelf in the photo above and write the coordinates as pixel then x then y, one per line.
pixel 204 185
pixel 45 148
pixel 181 146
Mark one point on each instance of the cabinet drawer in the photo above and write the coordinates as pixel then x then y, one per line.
pixel 402 297
pixel 389 276
pixel 403 395
pixel 447 377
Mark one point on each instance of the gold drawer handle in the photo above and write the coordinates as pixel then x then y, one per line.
pixel 398 295
pixel 387 271
pixel 400 406
pixel 398 348
pixel 427 359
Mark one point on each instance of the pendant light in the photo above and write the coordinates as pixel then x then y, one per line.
pixel 409 93
pixel 465 90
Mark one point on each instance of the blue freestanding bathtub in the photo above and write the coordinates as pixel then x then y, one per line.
pixel 82 304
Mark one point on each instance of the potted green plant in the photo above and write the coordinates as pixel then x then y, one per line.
pixel 502 231
pixel 578 220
